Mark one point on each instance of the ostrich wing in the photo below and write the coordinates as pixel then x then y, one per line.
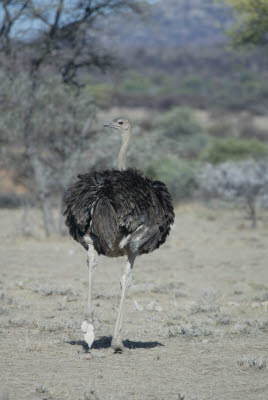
pixel 88 209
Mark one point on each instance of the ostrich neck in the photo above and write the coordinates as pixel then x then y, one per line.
pixel 122 154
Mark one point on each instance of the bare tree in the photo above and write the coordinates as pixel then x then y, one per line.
pixel 65 32
pixel 60 133
pixel 246 181
pixel 11 12
pixel 42 39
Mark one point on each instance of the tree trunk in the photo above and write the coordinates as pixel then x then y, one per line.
pixel 252 212
pixel 62 226
pixel 43 193
pixel 38 168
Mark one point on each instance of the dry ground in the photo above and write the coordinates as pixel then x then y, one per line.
pixel 196 321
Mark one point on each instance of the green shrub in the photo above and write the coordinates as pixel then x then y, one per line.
pixel 179 132
pixel 264 91
pixel 136 83
pixel 179 122
pixel 102 94
pixel 192 146
pixel 221 150
pixel 193 84
pixel 178 175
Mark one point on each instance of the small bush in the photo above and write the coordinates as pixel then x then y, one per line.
pixel 221 150
pixel 193 84
pixel 179 132
pixel 179 122
pixel 102 94
pixel 245 181
pixel 137 83
pixel 179 176
pixel 147 123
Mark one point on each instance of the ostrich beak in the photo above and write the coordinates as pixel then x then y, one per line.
pixel 109 125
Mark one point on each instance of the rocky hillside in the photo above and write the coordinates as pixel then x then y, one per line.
pixel 171 23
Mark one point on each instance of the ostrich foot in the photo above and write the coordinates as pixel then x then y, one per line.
pixel 117 345
pixel 88 331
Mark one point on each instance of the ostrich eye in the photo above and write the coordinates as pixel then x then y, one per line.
pixel 120 122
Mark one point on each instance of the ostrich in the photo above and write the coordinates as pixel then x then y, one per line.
pixel 117 212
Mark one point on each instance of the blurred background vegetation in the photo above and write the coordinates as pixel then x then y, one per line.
pixel 191 75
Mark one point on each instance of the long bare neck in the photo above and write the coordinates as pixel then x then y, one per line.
pixel 121 161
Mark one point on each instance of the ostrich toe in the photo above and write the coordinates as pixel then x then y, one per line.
pixel 88 331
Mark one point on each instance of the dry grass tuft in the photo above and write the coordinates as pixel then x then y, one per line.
pixel 89 394
pixel 190 330
pixel 41 389
pixel 17 323
pixel 204 308
pixel 252 362
pixel 56 326
pixel 261 297
pixel 4 310
pixel 32 347
pixel 52 290
pixel 224 320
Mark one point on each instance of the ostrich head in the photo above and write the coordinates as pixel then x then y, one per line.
pixel 120 124
pixel 123 126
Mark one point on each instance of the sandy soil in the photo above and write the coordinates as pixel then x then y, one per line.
pixel 196 322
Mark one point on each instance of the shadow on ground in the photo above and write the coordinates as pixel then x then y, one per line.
pixel 104 342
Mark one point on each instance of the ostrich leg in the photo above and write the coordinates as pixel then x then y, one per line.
pixel 125 282
pixel 87 325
